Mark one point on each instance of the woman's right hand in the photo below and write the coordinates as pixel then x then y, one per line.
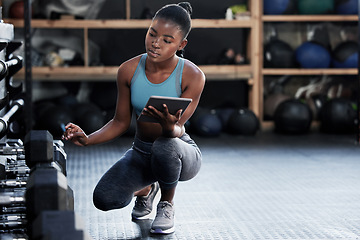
pixel 75 134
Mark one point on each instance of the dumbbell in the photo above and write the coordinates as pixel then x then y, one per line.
pixel 17 172
pixel 59 155
pixel 13 147
pixel 4 121
pixel 13 183
pixel 12 160
pixel 42 150
pixel 47 187
pixel 12 198
pixel 47 226
pixel 3 45
pixel 10 67
pixel 11 221
pixel 13 209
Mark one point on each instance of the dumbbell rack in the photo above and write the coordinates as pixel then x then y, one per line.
pixel 34 196
pixel 14 174
pixel 35 200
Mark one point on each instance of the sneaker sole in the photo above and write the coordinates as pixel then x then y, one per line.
pixel 161 231
pixel 145 217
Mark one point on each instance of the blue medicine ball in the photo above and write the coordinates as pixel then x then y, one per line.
pixel 347 7
pixel 206 123
pixel 345 55
pixel 312 55
pixel 278 7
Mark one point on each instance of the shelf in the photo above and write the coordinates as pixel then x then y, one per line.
pixel 212 72
pixel 250 73
pixel 310 18
pixel 126 24
pixel 296 71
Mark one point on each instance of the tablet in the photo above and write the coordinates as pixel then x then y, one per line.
pixel 173 104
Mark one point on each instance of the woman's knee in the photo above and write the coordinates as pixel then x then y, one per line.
pixel 105 199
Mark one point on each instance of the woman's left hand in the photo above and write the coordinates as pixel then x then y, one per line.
pixel 166 119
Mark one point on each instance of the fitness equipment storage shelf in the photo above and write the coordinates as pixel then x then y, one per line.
pixel 250 73
pixel 301 71
pixel 244 22
pixel 310 18
pixel 225 72
pixel 298 71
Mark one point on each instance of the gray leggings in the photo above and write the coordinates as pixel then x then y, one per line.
pixel 167 161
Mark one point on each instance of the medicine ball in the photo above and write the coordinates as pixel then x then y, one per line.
pixel 345 55
pixel 338 116
pixel 312 55
pixel 205 122
pixel 278 7
pixel 272 102
pixel 315 6
pixel 243 122
pixel 224 114
pixel 16 10
pixel 68 100
pixel 278 54
pixel 293 117
pixel 347 7
pixel 89 117
pixel 316 102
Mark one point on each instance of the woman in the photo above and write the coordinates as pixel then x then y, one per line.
pixel 162 153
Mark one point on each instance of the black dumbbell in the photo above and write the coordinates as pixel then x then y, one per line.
pixel 38 148
pixel 47 226
pixel 42 150
pixel 46 189
pixel 60 155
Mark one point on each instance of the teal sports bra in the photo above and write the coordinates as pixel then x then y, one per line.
pixel 141 88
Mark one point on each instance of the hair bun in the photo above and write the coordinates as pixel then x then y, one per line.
pixel 186 6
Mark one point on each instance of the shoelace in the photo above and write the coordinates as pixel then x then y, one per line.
pixel 164 211
pixel 140 202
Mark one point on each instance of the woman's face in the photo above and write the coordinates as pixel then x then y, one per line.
pixel 163 39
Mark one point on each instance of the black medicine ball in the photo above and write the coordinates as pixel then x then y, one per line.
pixel 278 54
pixel 292 116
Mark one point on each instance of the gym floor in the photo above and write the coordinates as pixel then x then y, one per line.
pixel 268 186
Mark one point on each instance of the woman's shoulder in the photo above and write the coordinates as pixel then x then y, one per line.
pixel 192 70
pixel 127 68
pixel 132 61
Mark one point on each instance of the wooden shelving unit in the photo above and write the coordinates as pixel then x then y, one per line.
pixel 298 71
pixel 253 73
pixel 108 73
pixel 248 72
pixel 319 71
pixel 86 73
pixel 309 18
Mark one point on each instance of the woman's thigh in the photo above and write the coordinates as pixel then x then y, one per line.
pixel 116 187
